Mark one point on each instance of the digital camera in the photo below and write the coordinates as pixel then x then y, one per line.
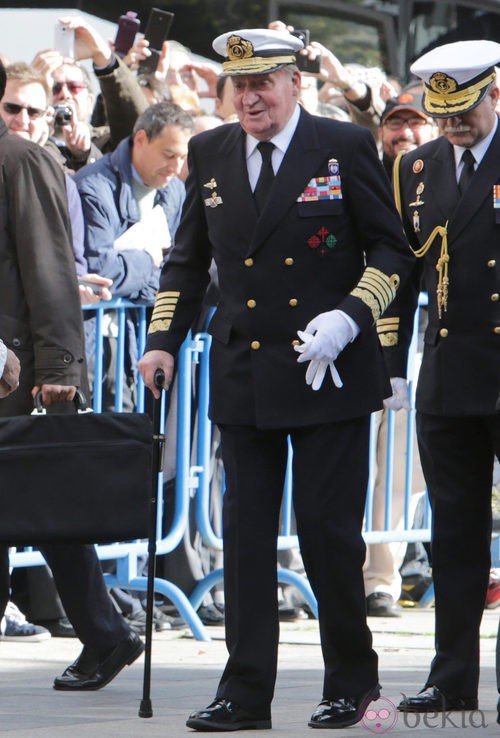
pixel 62 114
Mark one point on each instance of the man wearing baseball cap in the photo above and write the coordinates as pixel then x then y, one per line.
pixel 297 212
pixel 404 125
pixel 448 192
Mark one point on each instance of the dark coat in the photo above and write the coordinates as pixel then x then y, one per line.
pixel 460 373
pixel 277 271
pixel 40 312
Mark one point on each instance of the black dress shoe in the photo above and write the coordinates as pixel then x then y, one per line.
pixel 225 715
pixel 90 672
pixel 433 699
pixel 343 711
pixel 382 605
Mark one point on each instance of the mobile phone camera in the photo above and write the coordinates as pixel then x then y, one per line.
pixel 62 114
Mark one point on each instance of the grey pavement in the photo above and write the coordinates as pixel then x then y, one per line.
pixel 185 674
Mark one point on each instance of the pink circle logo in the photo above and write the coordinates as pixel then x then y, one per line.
pixel 381 716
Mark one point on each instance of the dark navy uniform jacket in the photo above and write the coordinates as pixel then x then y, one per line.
pixel 460 373
pixel 307 253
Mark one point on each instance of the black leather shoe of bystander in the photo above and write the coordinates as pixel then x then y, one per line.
pixel 89 672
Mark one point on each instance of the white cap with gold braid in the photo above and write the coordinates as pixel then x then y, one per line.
pixel 456 76
pixel 256 50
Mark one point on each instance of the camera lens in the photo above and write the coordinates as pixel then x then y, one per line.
pixel 62 115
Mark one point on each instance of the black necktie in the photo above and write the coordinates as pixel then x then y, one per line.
pixel 266 176
pixel 467 171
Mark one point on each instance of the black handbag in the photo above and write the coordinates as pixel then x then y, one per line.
pixel 82 477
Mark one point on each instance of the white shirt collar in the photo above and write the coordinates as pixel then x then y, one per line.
pixel 281 140
pixel 479 149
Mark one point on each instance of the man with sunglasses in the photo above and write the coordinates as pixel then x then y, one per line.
pixel 74 139
pixel 72 133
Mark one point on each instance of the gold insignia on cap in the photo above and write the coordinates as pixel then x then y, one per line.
pixel 441 83
pixel 244 58
pixel 443 97
pixel 239 48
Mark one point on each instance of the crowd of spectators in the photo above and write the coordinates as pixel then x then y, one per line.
pixel 119 168
pixel 124 157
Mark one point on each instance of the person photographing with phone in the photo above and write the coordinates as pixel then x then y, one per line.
pixel 73 138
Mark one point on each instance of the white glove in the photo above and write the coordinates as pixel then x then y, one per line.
pixel 332 332
pixel 316 373
pixel 317 368
pixel 400 397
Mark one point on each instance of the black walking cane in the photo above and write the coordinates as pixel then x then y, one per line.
pixel 146 708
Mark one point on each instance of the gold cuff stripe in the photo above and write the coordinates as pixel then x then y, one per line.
pixel 162 295
pixel 387 321
pixel 388 339
pixel 380 287
pixel 369 300
pixel 256 63
pixel 387 328
pixel 159 325
pixel 163 313
pixel 166 300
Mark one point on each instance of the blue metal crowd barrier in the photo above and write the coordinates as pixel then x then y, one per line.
pixel 193 476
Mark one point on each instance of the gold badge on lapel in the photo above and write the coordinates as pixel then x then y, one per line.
pixel 213 200
pixel 333 166
pixel 211 185
pixel 419 191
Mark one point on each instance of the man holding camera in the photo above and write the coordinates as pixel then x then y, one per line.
pixel 73 138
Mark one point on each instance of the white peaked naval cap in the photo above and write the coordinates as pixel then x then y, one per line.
pixel 456 76
pixel 256 50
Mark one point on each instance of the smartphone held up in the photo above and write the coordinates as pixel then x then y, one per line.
pixel 304 64
pixel 64 40
pixel 128 27
pixel 156 32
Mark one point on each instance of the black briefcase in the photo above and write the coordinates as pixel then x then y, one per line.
pixel 82 478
